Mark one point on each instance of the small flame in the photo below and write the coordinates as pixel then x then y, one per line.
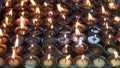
pixel 109 36
pixel 22 3
pixel 112 5
pixel 45 3
pixel 117 19
pixel 10 12
pixel 33 2
pixel 80 42
pixel 22 22
pixel 17 41
pixel 63 16
pixel 52 27
pixel 50 20
pixel 65 35
pixel 77 24
pixel 32 45
pixel 23 13
pixel 7 4
pixel 49 47
pixel 116 54
pixel 88 3
pixel 1 33
pixel 103 10
pixel 106 25
pixel 13 53
pixel 35 20
pixel 31 57
pixel 83 57
pixel 4 25
pixel 67 57
pixel 60 8
pixel 90 16
pixel 6 20
pixel 50 13
pixel 37 10
pixel 49 56
pixel 77 32
pixel 66 46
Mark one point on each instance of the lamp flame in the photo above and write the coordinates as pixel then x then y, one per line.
pixel 6 20
pixel 7 4
pixel 1 33
pixel 116 54
pixel 88 3
pixel 117 19
pixel 37 10
pixel 45 3
pixel 67 57
pixel 22 22
pixel 13 53
pixel 82 57
pixel 103 10
pixel 60 8
pixel 50 13
pixel 33 2
pixel 17 41
pixel 22 3
pixel 90 16
pixel 10 12
pixel 49 56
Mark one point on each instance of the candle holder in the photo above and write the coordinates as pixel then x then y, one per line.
pixel 21 5
pixel 2 62
pixel 18 49
pixel 95 49
pixel 65 49
pixel 21 39
pixel 64 40
pixel 32 39
pixel 49 49
pixel 78 37
pixel 3 49
pixel 33 49
pixel 112 6
pixel 21 31
pixel 36 31
pixel 116 21
pixel 14 62
pixel 65 29
pixel 113 61
pixel 47 61
pixel 93 39
pixel 47 7
pixel 49 40
pixel 36 21
pixel 31 61
pixel 98 61
pixel 63 20
pixel 23 19
pixel 94 29
pixel 81 27
pixel 110 49
pixel 4 38
pixel 65 61
pixel 81 61
pixel 80 48
pixel 108 39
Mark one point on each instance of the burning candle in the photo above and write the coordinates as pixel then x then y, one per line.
pixel 24 14
pixel 65 61
pixel 65 49
pixel 112 5
pixel 38 13
pixel 10 13
pixel 87 4
pixel 114 60
pixel 3 37
pixel 51 31
pixel 3 49
pixel 36 21
pixel 33 49
pixel 14 60
pixel 8 4
pixel 31 61
pixel 8 21
pixel 62 10
pixel 33 5
pixel 80 47
pixel 49 22
pixel 90 20
pixel 116 20
pixel 22 29
pixel 22 19
pixel 4 28
pixel 98 61
pixel 108 39
pixel 103 12
pixel 21 5
pixel 110 49
pixel 49 49
pixel 48 61
pixel 36 31
pixel 47 7
pixel 81 61
pixel 18 49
